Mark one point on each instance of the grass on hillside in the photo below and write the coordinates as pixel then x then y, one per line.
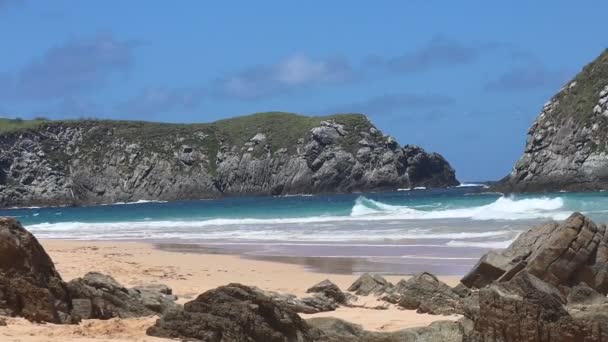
pixel 12 125
pixel 281 129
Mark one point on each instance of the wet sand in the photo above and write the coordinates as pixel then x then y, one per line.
pixel 347 258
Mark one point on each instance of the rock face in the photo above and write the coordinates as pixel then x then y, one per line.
pixel 233 313
pixel 29 284
pixel 566 254
pixel 99 296
pixel 567 148
pixel 91 162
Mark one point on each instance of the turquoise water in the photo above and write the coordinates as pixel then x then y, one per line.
pixel 417 229
pixel 416 214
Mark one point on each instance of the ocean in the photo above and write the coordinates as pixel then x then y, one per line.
pixel 440 230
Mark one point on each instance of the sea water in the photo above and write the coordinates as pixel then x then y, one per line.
pixel 416 229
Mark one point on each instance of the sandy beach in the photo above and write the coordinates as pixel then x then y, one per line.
pixel 190 274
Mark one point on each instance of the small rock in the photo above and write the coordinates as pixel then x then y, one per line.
pixel 370 284
pixel 330 290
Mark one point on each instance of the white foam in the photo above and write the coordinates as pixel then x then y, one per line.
pixel 135 202
pixel 212 230
pixel 504 208
pixel 481 244
pixel 472 185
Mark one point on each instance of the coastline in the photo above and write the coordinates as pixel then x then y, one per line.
pixel 190 274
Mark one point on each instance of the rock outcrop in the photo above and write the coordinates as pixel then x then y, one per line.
pixel 92 162
pixel 233 313
pixel 29 284
pixel 567 148
pixel 99 296
pixel 527 309
pixel 549 285
pixel 563 255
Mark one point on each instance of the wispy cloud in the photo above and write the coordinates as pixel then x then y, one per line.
pixel 293 72
pixel 72 68
pixel 527 76
pixel 438 52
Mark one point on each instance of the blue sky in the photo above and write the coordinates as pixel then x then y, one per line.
pixel 462 78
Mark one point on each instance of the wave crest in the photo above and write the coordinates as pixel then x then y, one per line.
pixel 504 208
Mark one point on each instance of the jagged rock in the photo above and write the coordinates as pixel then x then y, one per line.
pixel 3 322
pixel 563 255
pixel 566 147
pixel 29 284
pixel 330 290
pixel 233 313
pixel 526 308
pixel 59 163
pixel 319 302
pixel 337 330
pixel 100 296
pixel 370 284
pixel 426 294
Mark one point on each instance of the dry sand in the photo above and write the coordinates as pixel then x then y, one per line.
pixel 190 274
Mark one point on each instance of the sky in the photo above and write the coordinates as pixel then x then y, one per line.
pixel 464 78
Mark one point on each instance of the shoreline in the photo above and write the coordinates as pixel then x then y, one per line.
pixel 190 274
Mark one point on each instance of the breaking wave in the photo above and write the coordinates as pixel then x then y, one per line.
pixel 504 208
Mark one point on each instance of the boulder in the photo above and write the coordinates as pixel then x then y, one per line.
pixel 29 284
pixel 562 255
pixel 370 284
pixel 233 313
pixel 100 296
pixel 330 290
pixel 426 294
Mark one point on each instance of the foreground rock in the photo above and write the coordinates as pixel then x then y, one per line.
pixel 99 296
pixel 528 309
pixel 562 255
pixel 29 284
pixel 233 313
pixel 263 154
pixel 567 146
pixel 548 286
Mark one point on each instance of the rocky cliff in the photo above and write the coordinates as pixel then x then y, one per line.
pixel 567 146
pixel 91 162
